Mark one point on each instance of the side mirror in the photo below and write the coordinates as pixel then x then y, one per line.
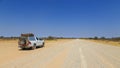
pixel 36 38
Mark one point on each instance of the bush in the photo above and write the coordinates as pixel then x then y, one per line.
pixel 95 37
pixel 51 38
pixel 103 38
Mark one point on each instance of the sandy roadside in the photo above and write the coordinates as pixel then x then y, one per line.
pixel 9 49
pixel 107 42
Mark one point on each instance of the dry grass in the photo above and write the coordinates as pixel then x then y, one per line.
pixel 114 43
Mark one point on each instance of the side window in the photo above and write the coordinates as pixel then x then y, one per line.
pixel 36 38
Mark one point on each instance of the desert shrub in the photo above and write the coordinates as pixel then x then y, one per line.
pixel 50 38
pixel 95 38
pixel 102 38
pixel 115 39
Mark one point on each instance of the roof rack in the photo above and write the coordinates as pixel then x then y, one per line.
pixel 27 35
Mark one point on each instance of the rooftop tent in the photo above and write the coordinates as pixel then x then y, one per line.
pixel 27 35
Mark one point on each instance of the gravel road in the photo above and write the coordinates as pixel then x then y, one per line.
pixel 73 54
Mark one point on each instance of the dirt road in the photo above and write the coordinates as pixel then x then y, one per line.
pixel 65 54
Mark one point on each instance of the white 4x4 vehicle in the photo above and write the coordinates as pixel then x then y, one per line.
pixel 30 42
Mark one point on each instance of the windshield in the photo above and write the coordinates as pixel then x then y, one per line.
pixel 32 38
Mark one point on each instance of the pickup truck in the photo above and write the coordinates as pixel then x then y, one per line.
pixel 30 42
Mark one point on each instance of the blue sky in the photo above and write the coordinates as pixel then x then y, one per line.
pixel 67 18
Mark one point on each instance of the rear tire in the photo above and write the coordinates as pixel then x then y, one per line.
pixel 34 47
pixel 23 48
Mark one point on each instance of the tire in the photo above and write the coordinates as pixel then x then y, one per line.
pixel 34 47
pixel 23 48
pixel 43 45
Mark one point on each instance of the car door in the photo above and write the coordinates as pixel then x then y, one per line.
pixel 38 42
pixel 41 41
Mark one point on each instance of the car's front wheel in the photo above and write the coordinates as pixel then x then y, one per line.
pixel 43 44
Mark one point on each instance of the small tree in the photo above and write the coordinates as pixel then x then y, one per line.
pixel 95 37
pixel 50 38
pixel 1 37
pixel 103 38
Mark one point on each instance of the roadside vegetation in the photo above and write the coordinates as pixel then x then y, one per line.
pixel 111 41
pixel 8 38
pixel 45 38
pixel 55 38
